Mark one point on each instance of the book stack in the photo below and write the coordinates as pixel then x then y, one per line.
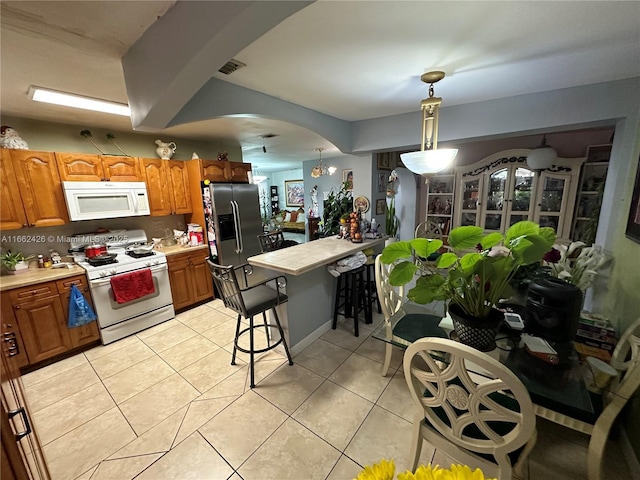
pixel 595 330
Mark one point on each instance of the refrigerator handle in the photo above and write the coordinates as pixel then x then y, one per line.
pixel 240 237
pixel 236 224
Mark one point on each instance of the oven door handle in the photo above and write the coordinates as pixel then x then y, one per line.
pixel 99 282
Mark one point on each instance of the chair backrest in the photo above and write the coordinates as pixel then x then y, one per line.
pixel 390 297
pixel 626 359
pixel 271 241
pixel 490 414
pixel 428 230
pixel 227 285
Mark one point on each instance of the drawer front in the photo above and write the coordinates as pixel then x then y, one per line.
pixel 79 281
pixel 177 259
pixel 25 295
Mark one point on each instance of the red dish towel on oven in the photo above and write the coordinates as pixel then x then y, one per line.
pixel 130 286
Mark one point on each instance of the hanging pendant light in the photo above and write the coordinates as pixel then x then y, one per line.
pixel 429 159
pixel 541 157
pixel 321 169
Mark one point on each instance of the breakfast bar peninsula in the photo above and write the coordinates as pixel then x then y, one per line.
pixel 310 287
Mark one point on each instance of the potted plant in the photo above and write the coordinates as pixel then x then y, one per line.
pixel 472 277
pixel 15 262
pixel 335 206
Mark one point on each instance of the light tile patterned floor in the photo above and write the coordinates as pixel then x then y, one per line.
pixel 167 404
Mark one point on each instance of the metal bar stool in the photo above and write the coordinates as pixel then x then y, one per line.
pixel 370 286
pixel 351 289
pixel 249 301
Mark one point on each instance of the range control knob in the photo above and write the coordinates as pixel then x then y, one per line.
pixel 147 264
pixel 103 273
pixel 112 271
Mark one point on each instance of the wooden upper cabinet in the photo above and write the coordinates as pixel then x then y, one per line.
pixel 238 172
pixel 77 167
pixel 155 176
pixel 40 187
pixel 167 185
pixel 12 213
pixel 214 170
pixel 121 169
pixel 178 176
pixel 225 171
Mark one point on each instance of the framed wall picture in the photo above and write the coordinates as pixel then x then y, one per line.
pixel 294 191
pixel 347 177
pixel 383 161
pixel 381 206
pixel 633 223
pixel 382 182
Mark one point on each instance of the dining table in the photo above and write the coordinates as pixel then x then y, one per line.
pixel 558 392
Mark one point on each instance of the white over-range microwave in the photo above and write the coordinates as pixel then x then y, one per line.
pixel 95 200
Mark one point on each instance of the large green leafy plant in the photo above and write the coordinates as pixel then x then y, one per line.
pixel 335 206
pixel 475 275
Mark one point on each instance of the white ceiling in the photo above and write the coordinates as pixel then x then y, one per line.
pixel 352 60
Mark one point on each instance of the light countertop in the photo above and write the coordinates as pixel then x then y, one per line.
pixel 305 257
pixel 176 249
pixel 35 275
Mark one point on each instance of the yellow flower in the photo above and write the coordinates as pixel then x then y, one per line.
pixel 384 470
pixel 457 472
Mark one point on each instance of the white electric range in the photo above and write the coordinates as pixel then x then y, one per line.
pixel 119 320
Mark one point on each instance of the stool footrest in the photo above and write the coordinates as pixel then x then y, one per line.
pixel 262 350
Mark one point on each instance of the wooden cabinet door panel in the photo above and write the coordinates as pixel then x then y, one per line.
pixel 44 328
pixel 84 334
pixel 201 276
pixel 238 172
pixel 12 214
pixel 180 280
pixel 40 187
pixel 214 170
pixel 155 176
pixel 121 169
pixel 77 167
pixel 179 186
pixel 12 340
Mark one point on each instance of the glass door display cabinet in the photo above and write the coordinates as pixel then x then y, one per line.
pixel 501 190
pixel 590 190
pixel 440 201
pixel 469 200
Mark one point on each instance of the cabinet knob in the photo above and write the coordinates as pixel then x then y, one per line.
pixel 17 307
pixel 25 225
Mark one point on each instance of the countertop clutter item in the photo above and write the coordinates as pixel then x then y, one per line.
pixel 165 150
pixel 195 234
pixel 9 138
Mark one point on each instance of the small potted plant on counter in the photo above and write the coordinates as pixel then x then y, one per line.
pixel 15 262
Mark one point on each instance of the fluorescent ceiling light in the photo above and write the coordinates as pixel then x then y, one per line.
pixel 46 95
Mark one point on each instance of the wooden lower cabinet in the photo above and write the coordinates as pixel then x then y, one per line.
pixel 39 314
pixel 190 278
pixel 43 327
pixel 11 336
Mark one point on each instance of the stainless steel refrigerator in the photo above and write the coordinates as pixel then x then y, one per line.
pixel 233 222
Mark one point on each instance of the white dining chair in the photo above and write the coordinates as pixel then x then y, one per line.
pixel 391 299
pixel 485 421
pixel 626 360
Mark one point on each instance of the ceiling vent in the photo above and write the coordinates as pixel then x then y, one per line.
pixel 231 66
